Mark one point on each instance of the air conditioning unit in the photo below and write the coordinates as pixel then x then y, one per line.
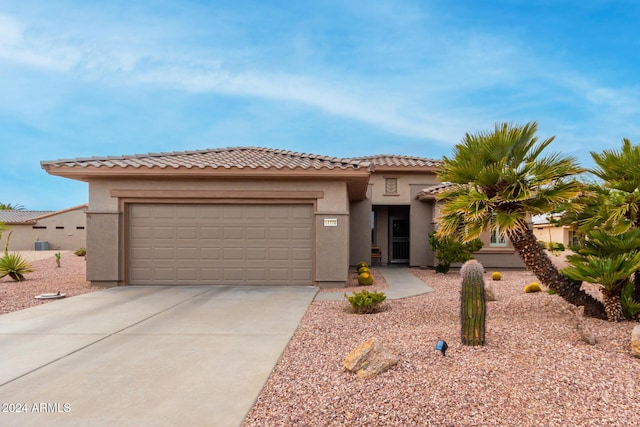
pixel 41 246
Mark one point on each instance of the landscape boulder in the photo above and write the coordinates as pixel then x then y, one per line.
pixel 635 341
pixel 369 358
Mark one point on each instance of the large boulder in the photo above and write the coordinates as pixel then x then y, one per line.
pixel 369 358
pixel 635 341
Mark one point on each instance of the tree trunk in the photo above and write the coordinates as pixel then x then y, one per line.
pixel 612 306
pixel 537 261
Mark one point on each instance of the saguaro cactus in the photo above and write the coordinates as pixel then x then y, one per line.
pixel 473 307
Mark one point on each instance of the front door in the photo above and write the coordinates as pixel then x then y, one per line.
pixel 399 238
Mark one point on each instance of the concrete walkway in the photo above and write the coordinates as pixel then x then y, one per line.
pixel 401 282
pixel 145 356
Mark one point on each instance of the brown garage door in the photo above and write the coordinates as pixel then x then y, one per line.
pixel 173 244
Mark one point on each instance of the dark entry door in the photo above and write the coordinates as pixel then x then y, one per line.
pixel 399 228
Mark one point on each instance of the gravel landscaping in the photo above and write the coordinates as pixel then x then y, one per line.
pixel 46 278
pixel 534 370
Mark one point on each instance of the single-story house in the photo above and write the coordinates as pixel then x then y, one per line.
pixel 45 230
pixel 547 230
pixel 250 215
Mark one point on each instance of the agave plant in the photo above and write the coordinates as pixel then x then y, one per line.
pixel 14 266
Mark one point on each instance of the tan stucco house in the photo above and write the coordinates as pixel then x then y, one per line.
pixel 45 230
pixel 249 215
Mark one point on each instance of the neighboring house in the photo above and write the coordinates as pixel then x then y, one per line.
pixel 549 231
pixel 250 215
pixel 45 230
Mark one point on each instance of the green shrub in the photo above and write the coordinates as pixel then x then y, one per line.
pixel 365 301
pixel 630 307
pixel 448 251
pixel 361 264
pixel 442 268
pixel 496 275
pixel 14 266
pixel 532 287
pixel 551 291
pixel 542 244
pixel 81 252
pixel 365 278
pixel 559 247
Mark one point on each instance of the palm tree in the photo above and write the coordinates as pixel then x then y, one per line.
pixel 10 207
pixel 609 261
pixel 502 179
pixel 620 172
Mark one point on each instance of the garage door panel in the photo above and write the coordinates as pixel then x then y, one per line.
pixel 187 232
pixel 209 232
pixel 187 253
pixel 279 233
pixel 210 254
pixel 164 211
pixel 301 254
pixel 279 254
pixel 220 244
pixel 301 274
pixel 164 232
pixel 233 254
pixel 256 254
pixel 301 233
pixel 233 233
pixel 256 233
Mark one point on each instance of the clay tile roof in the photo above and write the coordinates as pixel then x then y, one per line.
pixel 231 157
pixel 19 217
pixel 429 193
pixel 403 161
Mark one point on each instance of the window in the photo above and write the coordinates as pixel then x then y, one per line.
pixel 79 228
pixel 497 240
pixel 39 227
pixel 391 186
pixel 59 227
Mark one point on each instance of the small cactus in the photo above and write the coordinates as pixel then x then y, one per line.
pixel 473 307
pixel 532 287
pixel 365 278
pixel 496 275
pixel 361 264
pixel 364 270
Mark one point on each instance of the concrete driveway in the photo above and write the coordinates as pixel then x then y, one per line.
pixel 145 356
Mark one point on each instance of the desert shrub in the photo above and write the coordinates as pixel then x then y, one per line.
pixel 496 275
pixel 551 291
pixel 365 278
pixel 442 268
pixel 365 301
pixel 81 252
pixel 532 287
pixel 14 266
pixel 542 244
pixel 448 250
pixel 630 307
pixel 555 246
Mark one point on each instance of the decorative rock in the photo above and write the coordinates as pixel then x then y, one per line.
pixel 490 292
pixel 635 341
pixel 369 359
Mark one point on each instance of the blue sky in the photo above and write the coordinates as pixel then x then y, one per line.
pixel 340 78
